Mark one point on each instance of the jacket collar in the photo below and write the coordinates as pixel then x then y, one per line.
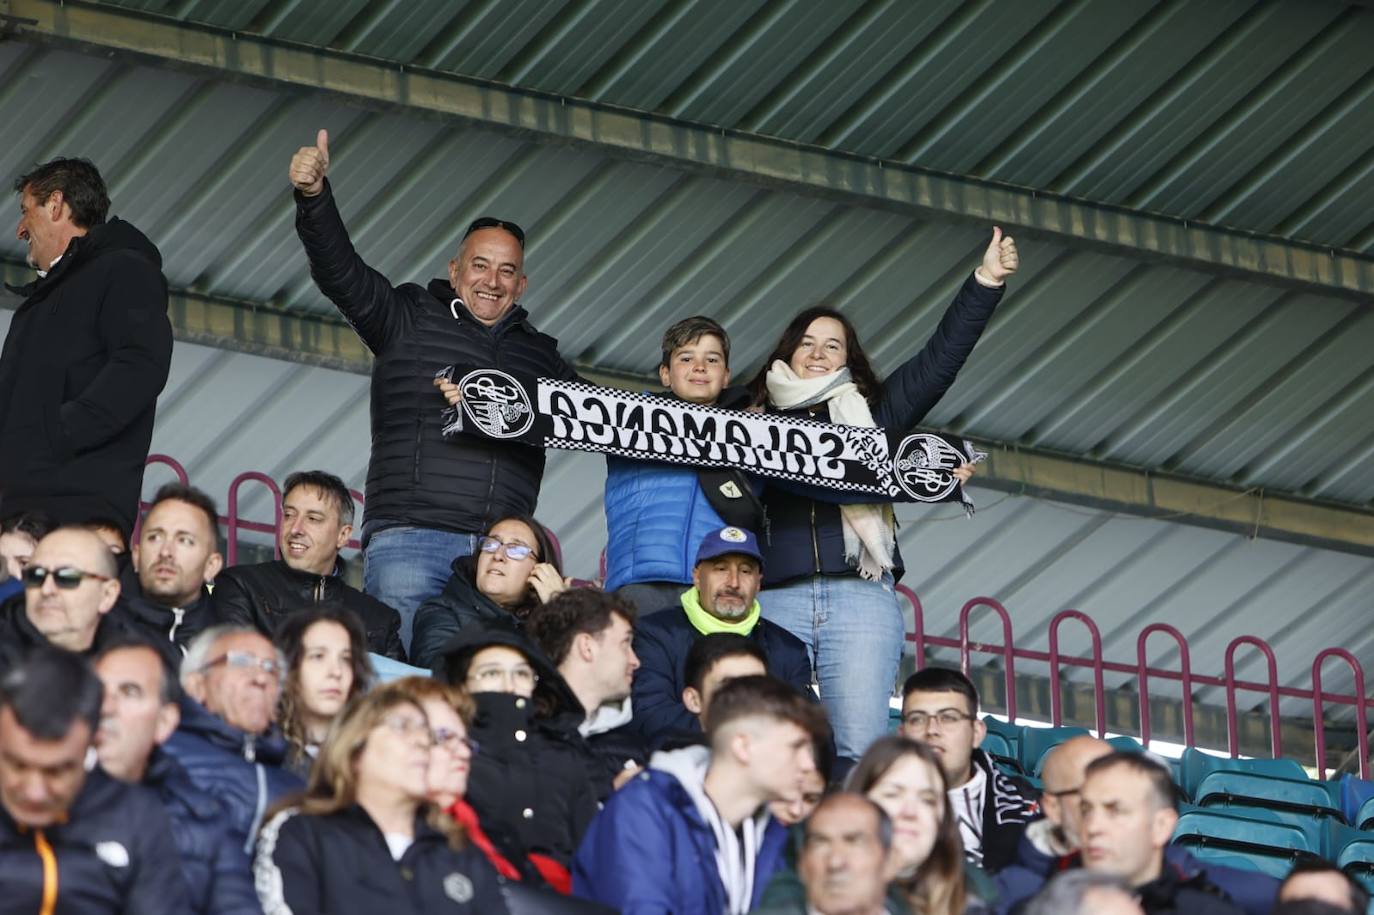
pixel 269 748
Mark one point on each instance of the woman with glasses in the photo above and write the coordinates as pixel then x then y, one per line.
pixel 325 647
pixel 365 837
pixel 515 569
pixel 535 779
pixel 831 569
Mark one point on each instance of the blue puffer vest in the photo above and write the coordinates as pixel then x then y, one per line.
pixel 656 517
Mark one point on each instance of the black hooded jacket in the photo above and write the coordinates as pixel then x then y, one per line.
pixel 414 476
pixel 86 356
pixel 535 779
pixel 171 629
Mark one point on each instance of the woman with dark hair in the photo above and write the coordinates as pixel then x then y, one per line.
pixel 830 569
pixel 365 838
pixel 326 665
pixel 515 569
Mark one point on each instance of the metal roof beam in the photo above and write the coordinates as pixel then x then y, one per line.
pixel 329 342
pixel 543 118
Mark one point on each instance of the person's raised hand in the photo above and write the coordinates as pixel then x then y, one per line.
pixel 1000 260
pixel 546 582
pixel 964 472
pixel 309 164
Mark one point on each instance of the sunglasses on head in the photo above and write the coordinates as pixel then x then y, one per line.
pixel 66 578
pixel 491 222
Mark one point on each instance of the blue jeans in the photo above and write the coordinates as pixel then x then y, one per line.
pixel 405 566
pixel 855 635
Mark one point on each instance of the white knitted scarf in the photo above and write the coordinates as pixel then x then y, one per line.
pixel 869 530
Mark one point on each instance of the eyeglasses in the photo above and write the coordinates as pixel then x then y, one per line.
pixel 491 222
pixel 493 678
pixel 453 741
pixel 947 717
pixel 67 577
pixel 514 551
pixel 245 660
pixel 408 726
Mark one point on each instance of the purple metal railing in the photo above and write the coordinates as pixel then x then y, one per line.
pixel 1010 654
pixel 1143 672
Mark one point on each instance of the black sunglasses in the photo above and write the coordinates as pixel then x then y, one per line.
pixel 491 222
pixel 67 577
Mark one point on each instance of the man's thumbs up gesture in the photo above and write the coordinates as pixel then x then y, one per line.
pixel 1000 260
pixel 309 164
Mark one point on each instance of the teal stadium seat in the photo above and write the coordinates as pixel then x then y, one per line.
pixel 1011 733
pixel 1036 742
pixel 1194 766
pixel 1124 744
pixel 1218 856
pixel 1355 856
pixel 1250 789
pixel 1268 843
pixel 1364 817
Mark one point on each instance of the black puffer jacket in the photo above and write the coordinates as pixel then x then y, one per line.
pixel 263 595
pixel 339 863
pixel 114 855
pixel 414 476
pixel 86 357
pixel 535 778
pixel 806 536
pixel 217 871
pixel 460 604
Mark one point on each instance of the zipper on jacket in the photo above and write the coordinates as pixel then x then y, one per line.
pixel 419 440
pixel 178 615
pixel 48 905
pixel 250 749
pixel 319 589
pixel 815 540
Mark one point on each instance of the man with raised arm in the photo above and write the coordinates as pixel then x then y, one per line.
pixel 428 498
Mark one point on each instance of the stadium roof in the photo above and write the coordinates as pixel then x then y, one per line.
pixel 1190 184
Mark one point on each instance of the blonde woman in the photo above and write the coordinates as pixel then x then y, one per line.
pixel 365 838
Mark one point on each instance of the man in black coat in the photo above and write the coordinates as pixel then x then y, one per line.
pixel 316 523
pixel 428 499
pixel 726 579
pixel 86 356
pixel 176 556
pixel 589 634
pixel 69 600
pixel 73 840
pixel 140 712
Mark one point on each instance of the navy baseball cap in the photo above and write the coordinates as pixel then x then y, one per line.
pixel 729 540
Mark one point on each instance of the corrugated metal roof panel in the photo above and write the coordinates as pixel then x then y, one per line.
pixel 1247 115
pixel 1097 354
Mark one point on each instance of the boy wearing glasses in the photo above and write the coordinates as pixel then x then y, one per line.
pixel 940 708
pixel 69 589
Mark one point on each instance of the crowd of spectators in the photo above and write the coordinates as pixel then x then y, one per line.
pixel 703 733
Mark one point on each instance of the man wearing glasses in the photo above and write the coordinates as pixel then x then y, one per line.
pixel 427 498
pixel 227 740
pixel 940 708
pixel 69 589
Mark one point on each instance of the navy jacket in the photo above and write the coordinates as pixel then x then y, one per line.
pixel 114 854
pixel 415 476
pixel 650 852
pixel 217 871
pixel 86 356
pixel 339 864
pixel 243 772
pixel 807 536
pixel 662 641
